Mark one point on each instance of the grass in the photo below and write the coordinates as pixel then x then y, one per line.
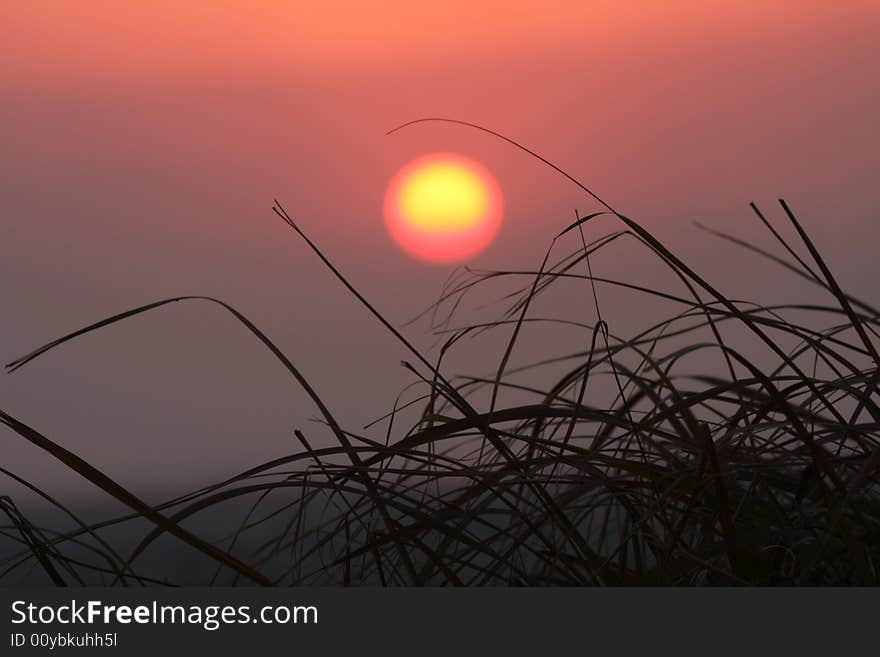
pixel 762 474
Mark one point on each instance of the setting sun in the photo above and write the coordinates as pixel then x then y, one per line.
pixel 443 208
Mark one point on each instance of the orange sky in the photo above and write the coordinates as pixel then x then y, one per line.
pixel 174 37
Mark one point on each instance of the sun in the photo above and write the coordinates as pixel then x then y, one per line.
pixel 443 208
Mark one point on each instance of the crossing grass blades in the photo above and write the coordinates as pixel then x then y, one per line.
pixel 767 474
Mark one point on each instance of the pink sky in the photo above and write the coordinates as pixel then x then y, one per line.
pixel 144 143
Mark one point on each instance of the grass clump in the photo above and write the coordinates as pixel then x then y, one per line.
pixel 761 474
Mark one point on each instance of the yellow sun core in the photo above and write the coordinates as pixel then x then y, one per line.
pixel 443 207
pixel 443 196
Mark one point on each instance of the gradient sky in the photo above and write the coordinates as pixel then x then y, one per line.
pixel 143 144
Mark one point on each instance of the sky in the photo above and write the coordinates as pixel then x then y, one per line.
pixel 144 143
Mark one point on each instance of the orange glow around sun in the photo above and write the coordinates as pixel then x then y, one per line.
pixel 443 208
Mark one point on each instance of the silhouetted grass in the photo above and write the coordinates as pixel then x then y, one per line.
pixel 765 474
